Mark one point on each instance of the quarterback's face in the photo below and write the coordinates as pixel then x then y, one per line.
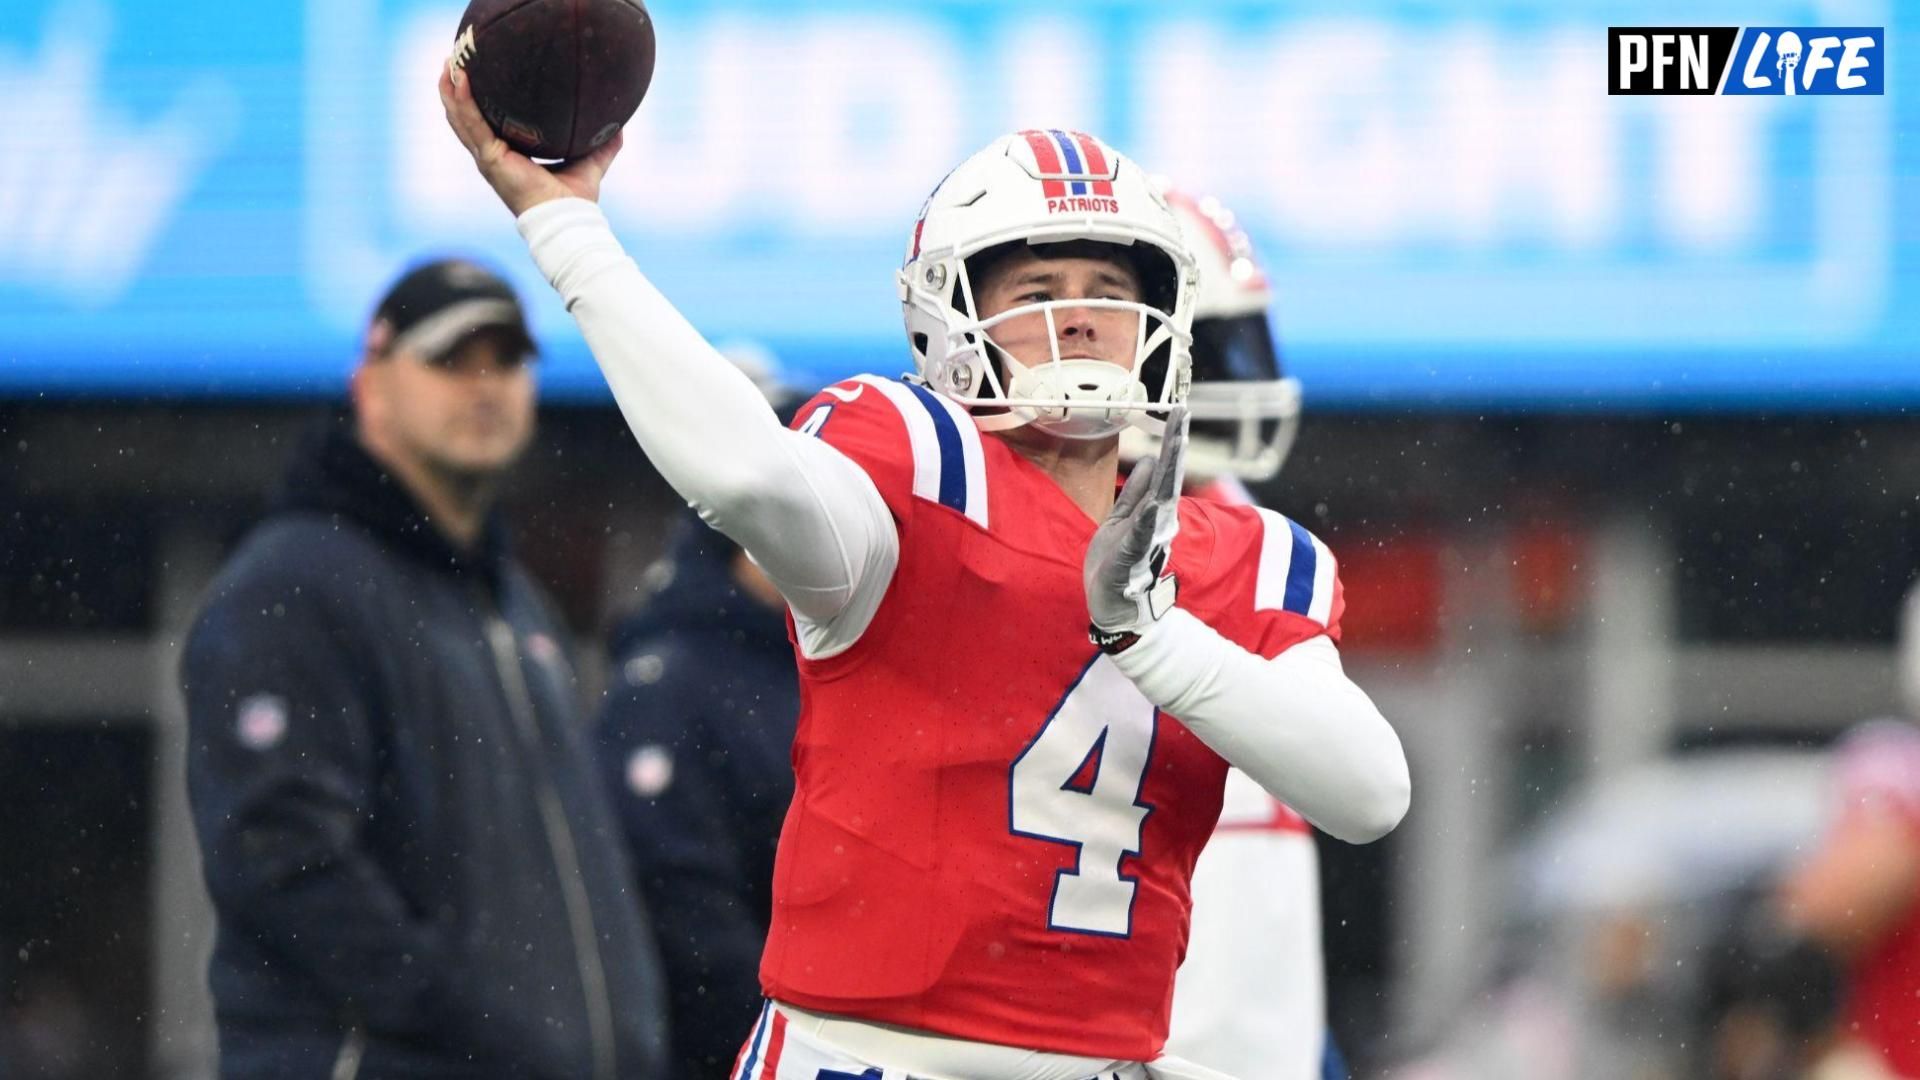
pixel 1089 333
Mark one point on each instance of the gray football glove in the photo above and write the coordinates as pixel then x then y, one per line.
pixel 1129 585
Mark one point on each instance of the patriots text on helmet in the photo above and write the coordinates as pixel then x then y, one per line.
pixel 1081 204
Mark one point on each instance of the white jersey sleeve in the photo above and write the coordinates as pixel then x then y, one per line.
pixel 804 512
pixel 1295 722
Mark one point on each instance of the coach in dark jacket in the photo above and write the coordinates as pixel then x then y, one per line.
pixel 695 743
pixel 414 869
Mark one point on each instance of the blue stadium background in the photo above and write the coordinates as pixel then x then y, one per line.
pixel 198 198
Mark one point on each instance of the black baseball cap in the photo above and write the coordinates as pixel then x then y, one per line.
pixel 438 305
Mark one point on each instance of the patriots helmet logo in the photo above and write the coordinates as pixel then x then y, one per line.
pixel 1075 171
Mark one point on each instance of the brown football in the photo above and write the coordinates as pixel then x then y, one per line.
pixel 556 78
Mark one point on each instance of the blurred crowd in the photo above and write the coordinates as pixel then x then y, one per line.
pixel 1743 913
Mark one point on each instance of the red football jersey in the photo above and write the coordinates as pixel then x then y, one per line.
pixel 1879 768
pixel 993 831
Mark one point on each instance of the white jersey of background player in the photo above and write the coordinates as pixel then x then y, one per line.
pixel 1251 996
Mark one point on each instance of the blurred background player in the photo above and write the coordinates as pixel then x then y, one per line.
pixel 1251 995
pixel 694 744
pixel 414 870
pixel 1858 894
pixel 985 867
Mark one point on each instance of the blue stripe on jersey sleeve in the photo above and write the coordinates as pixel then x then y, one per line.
pixel 953 463
pixel 1300 571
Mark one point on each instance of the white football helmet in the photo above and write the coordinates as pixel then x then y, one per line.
pixel 1038 188
pixel 1245 414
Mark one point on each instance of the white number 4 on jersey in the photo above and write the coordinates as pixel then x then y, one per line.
pixel 1103 727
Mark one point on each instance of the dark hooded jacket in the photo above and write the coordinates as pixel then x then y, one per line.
pixel 415 871
pixel 695 744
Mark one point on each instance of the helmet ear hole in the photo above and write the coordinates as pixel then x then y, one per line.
pixel 920 344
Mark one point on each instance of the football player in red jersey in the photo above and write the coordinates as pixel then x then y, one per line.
pixel 1251 997
pixel 1857 894
pixel 1021 684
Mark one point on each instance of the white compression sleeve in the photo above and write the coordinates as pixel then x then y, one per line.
pixel 806 513
pixel 1295 723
